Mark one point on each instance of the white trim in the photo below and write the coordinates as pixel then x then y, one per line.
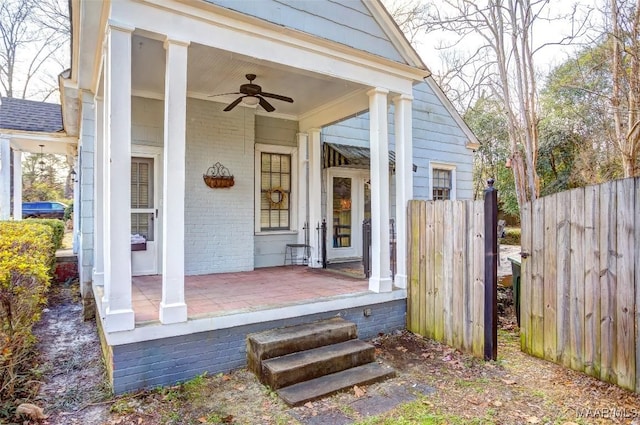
pixel 293 196
pixel 443 166
pixel 156 153
pixel 358 177
pixel 156 330
pixel 395 34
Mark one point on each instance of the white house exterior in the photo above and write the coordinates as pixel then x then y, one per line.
pixel 142 76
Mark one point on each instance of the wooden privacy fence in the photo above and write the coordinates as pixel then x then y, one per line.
pixel 446 262
pixel 580 275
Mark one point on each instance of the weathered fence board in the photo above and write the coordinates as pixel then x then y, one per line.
pixel 447 255
pixel 525 291
pixel 564 275
pixel 591 282
pixel 537 284
pixel 625 329
pixel 447 272
pixel 608 280
pixel 550 279
pixel 584 271
pixel 576 282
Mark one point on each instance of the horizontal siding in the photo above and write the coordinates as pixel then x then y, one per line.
pixel 274 131
pixel 348 22
pixel 269 249
pixel 147 121
pixel 436 138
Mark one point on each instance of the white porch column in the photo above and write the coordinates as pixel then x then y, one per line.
pixel 315 196
pixel 98 194
pixel 173 308
pixel 17 185
pixel 380 280
pixel 404 181
pixel 5 178
pixel 302 188
pixel 119 312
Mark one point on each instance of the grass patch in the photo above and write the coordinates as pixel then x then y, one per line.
pixel 417 412
pixel 511 237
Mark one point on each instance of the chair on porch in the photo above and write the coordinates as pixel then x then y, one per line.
pixel 292 251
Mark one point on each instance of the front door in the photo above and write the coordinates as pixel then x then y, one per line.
pixel 345 212
pixel 145 206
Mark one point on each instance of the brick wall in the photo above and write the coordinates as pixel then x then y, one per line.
pixel 170 360
pixel 219 223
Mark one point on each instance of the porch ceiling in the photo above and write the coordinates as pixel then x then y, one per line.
pixel 215 71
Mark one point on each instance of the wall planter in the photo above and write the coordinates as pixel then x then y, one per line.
pixel 218 177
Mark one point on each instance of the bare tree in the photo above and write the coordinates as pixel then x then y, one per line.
pixel 410 15
pixel 625 71
pixel 33 34
pixel 500 35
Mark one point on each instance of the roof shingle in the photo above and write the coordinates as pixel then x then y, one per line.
pixel 29 115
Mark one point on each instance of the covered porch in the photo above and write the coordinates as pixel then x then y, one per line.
pixel 222 294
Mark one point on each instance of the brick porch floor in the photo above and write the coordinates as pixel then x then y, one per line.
pixel 218 294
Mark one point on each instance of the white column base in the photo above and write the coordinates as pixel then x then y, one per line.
pixel 173 313
pixel 119 320
pixel 384 284
pixel 98 278
pixel 401 281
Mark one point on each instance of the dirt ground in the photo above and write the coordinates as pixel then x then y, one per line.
pixel 434 385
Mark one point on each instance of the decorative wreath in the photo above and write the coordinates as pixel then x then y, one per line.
pixel 280 195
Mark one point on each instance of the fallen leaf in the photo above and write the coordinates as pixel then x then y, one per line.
pixel 202 420
pixel 227 419
pixel 31 410
pixel 401 348
pixel 308 405
pixel 427 355
pixel 226 377
pixel 533 420
pixel 139 421
pixel 497 403
pixel 509 381
pixel 569 423
pixel 359 392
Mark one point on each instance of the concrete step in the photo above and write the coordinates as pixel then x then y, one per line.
pixel 287 370
pixel 279 342
pixel 295 395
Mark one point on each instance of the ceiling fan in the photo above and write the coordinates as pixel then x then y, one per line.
pixel 252 94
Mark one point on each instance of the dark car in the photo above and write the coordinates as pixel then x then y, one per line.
pixel 43 209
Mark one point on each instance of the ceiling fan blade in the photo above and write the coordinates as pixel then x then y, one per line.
pixel 266 105
pixel 277 96
pixel 223 94
pixel 233 104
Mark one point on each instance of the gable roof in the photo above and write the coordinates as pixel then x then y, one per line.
pixel 362 24
pixel 29 115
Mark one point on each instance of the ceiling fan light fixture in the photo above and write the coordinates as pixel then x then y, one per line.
pixel 250 100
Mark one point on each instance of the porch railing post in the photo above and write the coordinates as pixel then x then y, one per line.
pixel 324 243
pixel 490 272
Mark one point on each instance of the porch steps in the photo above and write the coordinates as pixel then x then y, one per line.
pixel 309 361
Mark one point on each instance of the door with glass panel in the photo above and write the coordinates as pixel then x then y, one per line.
pixel 345 212
pixel 145 241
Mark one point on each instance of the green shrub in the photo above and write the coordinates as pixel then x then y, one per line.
pixel 57 226
pixel 26 253
pixel 68 212
pixel 512 236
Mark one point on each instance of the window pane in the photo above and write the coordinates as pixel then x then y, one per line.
pixel 441 184
pixel 142 224
pixel 341 212
pixel 275 191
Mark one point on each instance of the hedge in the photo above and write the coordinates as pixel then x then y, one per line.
pixel 512 236
pixel 26 254
pixel 56 225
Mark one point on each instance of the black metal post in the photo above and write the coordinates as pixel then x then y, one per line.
pixel 366 247
pixel 324 243
pixel 490 272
